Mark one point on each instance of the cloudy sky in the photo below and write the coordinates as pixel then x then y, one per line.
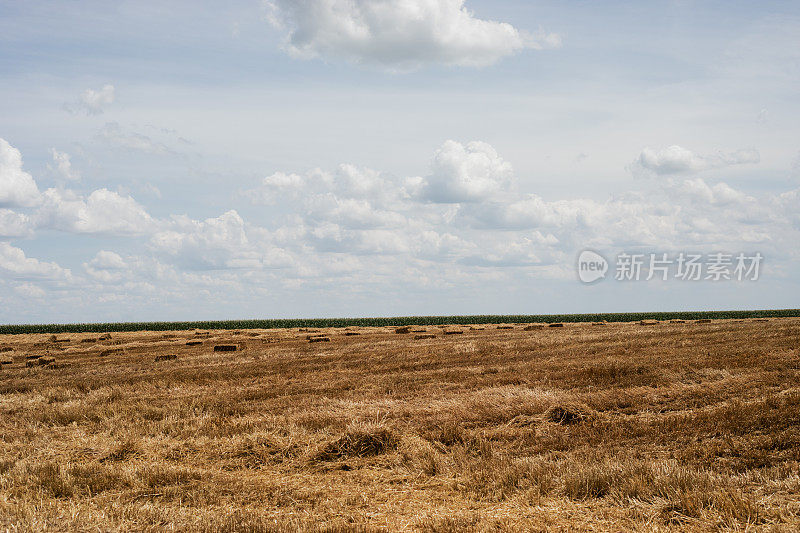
pixel 198 160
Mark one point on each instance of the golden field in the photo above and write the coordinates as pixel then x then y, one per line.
pixel 610 427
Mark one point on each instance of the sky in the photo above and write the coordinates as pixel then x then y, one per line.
pixel 334 158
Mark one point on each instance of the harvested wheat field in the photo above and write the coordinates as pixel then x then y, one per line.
pixel 628 427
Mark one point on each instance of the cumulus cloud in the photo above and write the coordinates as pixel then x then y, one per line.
pixel 519 253
pixel 459 173
pixel 216 243
pixel 106 260
pixel 91 101
pixel 106 266
pixel 466 211
pixel 103 212
pixel 17 187
pixel 13 224
pixel 29 290
pixel 62 164
pixel 677 160
pixel 464 220
pixel 15 264
pixel 399 34
pixel 277 186
pixel 698 190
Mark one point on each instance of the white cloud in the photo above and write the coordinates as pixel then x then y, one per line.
pixel 14 224
pixel 29 290
pixel 106 267
pixel 14 264
pixel 677 160
pixel 92 102
pixel 511 253
pixel 698 190
pixel 63 165
pixel 106 260
pixel 277 186
pixel 217 243
pixel 471 173
pixel 352 213
pixel 17 187
pixel 359 228
pixel 466 213
pixel 399 34
pixel 103 212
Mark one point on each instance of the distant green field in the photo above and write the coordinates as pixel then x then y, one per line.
pixel 386 321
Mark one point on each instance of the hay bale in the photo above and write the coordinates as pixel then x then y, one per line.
pixel 307 330
pixel 649 322
pixel 6 349
pixel 532 327
pixel 419 330
pixel 424 336
pixel 761 320
pixel 677 321
pixel 90 339
pixel 319 339
pixel 505 326
pixel 703 321
pixel 106 353
pixel 225 348
pixel 351 333
pixel 105 337
pixel 38 361
pixel 33 357
pixel 166 357
pixel 569 413
pixel 477 328
pixel 599 323
pixel 6 362
pixel 193 343
pixel 403 329
pixel 453 332
pixel 556 325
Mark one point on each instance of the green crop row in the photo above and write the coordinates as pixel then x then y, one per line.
pixel 386 321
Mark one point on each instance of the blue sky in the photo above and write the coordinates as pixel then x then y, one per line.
pixel 369 157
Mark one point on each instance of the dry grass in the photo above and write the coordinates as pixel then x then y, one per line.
pixel 684 427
